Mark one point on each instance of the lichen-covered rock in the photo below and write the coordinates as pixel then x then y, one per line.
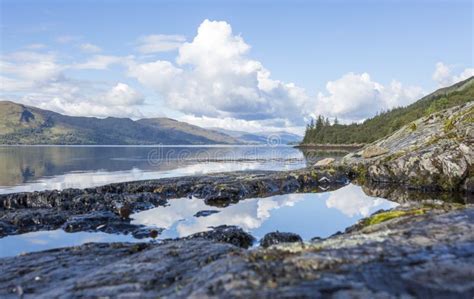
pixel 373 151
pixel 325 162
pixel 433 153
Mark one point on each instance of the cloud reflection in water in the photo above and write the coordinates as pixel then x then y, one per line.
pixel 308 214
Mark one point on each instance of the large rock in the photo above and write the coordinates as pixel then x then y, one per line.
pixel 435 152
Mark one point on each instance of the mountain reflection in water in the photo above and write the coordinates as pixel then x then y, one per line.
pixel 35 168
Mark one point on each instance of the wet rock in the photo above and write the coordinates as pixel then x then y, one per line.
pixel 205 213
pixel 6 229
pixel 49 209
pixel 124 211
pixel 103 221
pixel 279 237
pixel 428 256
pixel 324 162
pixel 147 232
pixel 226 234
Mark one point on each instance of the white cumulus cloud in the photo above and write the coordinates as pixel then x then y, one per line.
pixel 39 79
pixel 443 74
pixel 214 77
pixel 123 95
pixel 354 97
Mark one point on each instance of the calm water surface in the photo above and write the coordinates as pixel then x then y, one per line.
pixel 33 168
pixel 307 214
pixel 58 167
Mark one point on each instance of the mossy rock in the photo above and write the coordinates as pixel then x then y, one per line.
pixel 385 216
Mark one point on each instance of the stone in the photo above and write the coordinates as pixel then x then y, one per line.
pixel 205 213
pixel 324 162
pixel 279 237
pixel 373 151
pixel 226 234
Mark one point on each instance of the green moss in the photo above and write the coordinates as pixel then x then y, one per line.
pixel 385 216
pixel 412 127
pixel 448 125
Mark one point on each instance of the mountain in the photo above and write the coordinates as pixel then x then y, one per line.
pixel 388 122
pixel 20 124
pixel 263 137
pixel 182 130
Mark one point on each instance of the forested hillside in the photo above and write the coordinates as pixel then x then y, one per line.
pixel 320 131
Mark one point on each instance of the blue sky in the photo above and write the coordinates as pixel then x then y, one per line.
pixel 338 58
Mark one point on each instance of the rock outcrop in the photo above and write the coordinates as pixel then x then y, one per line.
pixel 108 207
pixel 425 255
pixel 433 153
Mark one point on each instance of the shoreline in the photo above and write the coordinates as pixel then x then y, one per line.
pixel 347 147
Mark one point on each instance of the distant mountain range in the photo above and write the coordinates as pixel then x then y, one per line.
pixel 20 124
pixel 280 137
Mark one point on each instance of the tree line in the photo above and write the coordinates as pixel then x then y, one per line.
pixel 322 131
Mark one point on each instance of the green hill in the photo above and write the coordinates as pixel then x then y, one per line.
pixel 20 124
pixel 388 122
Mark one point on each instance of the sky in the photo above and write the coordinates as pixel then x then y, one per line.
pixel 241 65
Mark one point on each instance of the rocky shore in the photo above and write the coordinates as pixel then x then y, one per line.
pixel 433 153
pixel 426 254
pixel 422 248
pixel 107 208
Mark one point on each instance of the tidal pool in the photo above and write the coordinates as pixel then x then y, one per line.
pixel 307 214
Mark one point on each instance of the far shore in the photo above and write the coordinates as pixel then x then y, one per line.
pixel 349 147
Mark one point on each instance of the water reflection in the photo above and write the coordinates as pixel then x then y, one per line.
pixel 44 240
pixel 33 168
pixel 308 214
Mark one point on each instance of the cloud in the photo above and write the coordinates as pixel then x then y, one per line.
pixel 355 97
pixel 102 62
pixel 155 43
pixel 123 95
pixel 89 48
pixel 213 77
pixel 352 201
pixel 444 77
pixel 77 98
pixel 252 126
pixel 38 79
pixel 27 69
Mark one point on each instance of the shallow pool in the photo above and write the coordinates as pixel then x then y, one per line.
pixel 307 214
